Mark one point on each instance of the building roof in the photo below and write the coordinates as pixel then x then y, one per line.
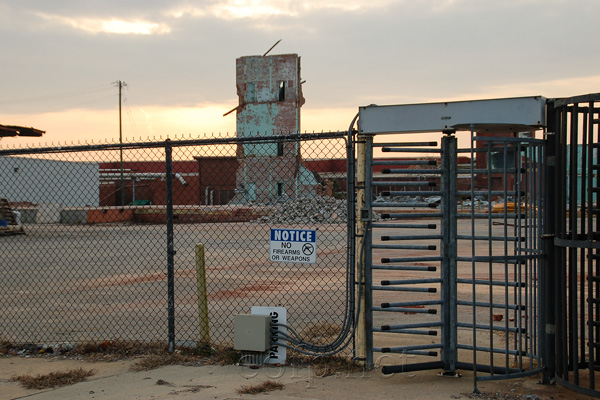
pixel 11 130
pixel 181 167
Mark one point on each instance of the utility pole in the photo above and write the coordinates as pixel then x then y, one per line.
pixel 121 84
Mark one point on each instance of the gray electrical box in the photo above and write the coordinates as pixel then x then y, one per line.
pixel 252 332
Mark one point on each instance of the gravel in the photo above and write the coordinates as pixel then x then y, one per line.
pixel 308 210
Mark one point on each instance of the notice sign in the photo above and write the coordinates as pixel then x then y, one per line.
pixel 293 246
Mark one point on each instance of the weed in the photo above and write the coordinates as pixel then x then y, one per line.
pixel 156 361
pixel 5 346
pixel 266 386
pixel 327 366
pixel 203 354
pixel 110 350
pixel 226 356
pixel 156 355
pixel 494 396
pixel 321 333
pixel 53 379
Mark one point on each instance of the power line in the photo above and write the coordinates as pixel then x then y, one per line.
pixel 73 105
pixel 121 85
pixel 130 114
pixel 58 95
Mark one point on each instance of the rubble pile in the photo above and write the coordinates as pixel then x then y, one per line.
pixel 429 200
pixel 308 210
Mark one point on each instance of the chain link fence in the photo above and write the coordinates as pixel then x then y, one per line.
pixel 98 242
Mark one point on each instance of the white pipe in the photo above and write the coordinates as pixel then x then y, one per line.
pixel 133 190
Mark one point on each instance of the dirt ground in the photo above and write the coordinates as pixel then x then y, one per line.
pixel 115 380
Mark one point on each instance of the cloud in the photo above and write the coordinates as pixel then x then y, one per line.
pixel 150 122
pixel 548 88
pixel 553 88
pixel 354 53
pixel 258 9
pixel 232 9
pixel 109 25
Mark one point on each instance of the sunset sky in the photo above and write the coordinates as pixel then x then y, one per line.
pixel 60 59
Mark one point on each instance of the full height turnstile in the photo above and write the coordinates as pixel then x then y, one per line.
pixel 451 250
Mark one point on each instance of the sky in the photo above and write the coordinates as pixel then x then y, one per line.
pixel 61 59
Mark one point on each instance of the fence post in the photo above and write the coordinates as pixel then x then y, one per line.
pixel 449 254
pixel 170 247
pixel 202 296
pixel 367 257
pixel 548 270
pixel 351 222
pixel 361 334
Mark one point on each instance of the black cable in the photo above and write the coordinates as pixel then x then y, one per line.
pixel 327 349
pixel 350 321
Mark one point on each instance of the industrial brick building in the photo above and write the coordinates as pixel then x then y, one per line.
pixel 269 89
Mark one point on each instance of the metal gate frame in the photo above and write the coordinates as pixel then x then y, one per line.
pixel 572 327
pixel 519 284
pixel 519 259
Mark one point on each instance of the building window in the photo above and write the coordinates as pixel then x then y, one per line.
pixel 280 191
pixel 503 160
pixel 281 91
pixel 251 93
pixel 279 149
pixel 251 192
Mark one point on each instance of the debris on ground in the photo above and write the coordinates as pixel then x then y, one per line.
pixel 308 210
pixel 266 386
pixel 504 396
pixel 53 379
